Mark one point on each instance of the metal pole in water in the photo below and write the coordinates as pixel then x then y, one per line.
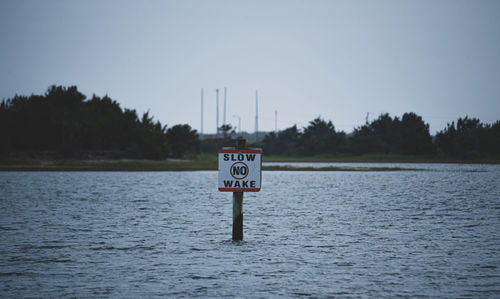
pixel 238 203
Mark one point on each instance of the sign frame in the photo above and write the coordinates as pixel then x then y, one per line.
pixel 258 168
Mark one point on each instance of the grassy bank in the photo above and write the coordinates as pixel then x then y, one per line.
pixel 337 168
pixel 110 165
pixel 204 162
pixel 382 158
pixel 209 162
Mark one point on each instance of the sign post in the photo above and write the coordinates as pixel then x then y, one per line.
pixel 239 171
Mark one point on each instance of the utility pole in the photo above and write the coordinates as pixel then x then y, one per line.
pixel 256 115
pixel 217 113
pixel 224 119
pixel 275 121
pixel 201 123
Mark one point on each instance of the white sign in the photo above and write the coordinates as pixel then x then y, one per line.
pixel 240 170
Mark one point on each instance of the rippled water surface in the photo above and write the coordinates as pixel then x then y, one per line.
pixel 168 234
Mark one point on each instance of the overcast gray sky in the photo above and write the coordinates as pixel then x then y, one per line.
pixel 334 59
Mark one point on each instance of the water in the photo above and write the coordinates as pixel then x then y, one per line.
pixel 318 234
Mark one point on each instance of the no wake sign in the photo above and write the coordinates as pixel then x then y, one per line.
pixel 240 170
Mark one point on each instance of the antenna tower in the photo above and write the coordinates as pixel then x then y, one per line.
pixel 275 121
pixel 217 112
pixel 201 122
pixel 256 115
pixel 224 119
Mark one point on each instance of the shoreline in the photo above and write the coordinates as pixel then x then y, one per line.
pixel 166 165
pixel 206 162
pixel 381 159
pixel 160 169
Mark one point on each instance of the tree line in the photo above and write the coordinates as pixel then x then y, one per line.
pixel 63 121
pixel 409 135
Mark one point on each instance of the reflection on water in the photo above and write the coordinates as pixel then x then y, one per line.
pixel 372 234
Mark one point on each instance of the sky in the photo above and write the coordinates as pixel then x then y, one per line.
pixel 335 59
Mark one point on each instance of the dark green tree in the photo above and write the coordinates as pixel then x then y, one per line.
pixel 227 131
pixel 414 136
pixel 285 142
pixel 379 136
pixel 182 140
pixel 320 137
pixel 366 144
pixel 153 138
pixel 387 129
pixel 492 142
pixel 64 122
pixel 410 135
pixel 469 138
